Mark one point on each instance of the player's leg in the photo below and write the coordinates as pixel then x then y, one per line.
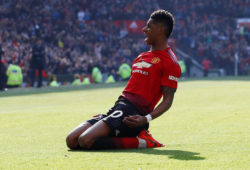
pixel 72 138
pixel 121 136
pixel 143 140
pixel 110 132
pixel 102 135
pixel 93 133
pixel 97 137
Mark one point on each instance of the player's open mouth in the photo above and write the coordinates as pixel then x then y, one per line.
pixel 146 37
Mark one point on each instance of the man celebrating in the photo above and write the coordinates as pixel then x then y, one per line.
pixel 154 74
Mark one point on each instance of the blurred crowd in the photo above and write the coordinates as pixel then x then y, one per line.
pixel 77 34
pixel 207 30
pixel 81 34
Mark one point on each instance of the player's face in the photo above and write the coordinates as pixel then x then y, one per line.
pixel 151 30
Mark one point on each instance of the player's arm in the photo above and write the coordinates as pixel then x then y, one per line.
pixel 137 120
pixel 168 97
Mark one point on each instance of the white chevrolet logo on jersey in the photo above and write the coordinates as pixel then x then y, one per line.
pixel 142 64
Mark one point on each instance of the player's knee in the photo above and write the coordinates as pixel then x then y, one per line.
pixel 72 142
pixel 85 142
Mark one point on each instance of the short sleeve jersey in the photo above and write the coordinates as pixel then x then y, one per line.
pixel 150 71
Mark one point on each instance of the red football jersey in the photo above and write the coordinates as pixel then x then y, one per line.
pixel 150 71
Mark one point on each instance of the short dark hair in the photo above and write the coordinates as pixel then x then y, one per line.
pixel 166 18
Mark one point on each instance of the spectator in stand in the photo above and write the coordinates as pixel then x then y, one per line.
pixel 14 74
pixel 2 71
pixel 77 81
pixel 37 62
pixel 206 66
pixel 79 32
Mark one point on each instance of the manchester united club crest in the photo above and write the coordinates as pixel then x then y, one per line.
pixel 155 60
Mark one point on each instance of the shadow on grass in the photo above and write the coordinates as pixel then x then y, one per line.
pixel 172 154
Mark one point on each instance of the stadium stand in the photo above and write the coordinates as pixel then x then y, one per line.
pixel 81 34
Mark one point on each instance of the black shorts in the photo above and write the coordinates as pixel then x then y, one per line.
pixel 114 117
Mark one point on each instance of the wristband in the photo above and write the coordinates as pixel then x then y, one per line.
pixel 148 117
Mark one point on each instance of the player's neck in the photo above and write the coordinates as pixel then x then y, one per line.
pixel 159 46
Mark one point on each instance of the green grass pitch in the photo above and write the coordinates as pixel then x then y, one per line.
pixel 208 127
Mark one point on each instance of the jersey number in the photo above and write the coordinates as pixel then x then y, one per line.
pixel 116 114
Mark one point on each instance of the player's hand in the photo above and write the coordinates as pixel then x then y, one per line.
pixel 98 115
pixel 135 121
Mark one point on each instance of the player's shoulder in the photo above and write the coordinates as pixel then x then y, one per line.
pixel 143 54
pixel 170 57
pixel 166 56
pixel 150 55
pixel 170 60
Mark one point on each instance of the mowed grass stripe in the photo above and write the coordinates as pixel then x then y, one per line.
pixel 206 128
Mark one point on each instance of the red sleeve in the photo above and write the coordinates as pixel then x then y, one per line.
pixel 171 75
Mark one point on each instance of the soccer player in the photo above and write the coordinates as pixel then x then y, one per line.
pixel 154 74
